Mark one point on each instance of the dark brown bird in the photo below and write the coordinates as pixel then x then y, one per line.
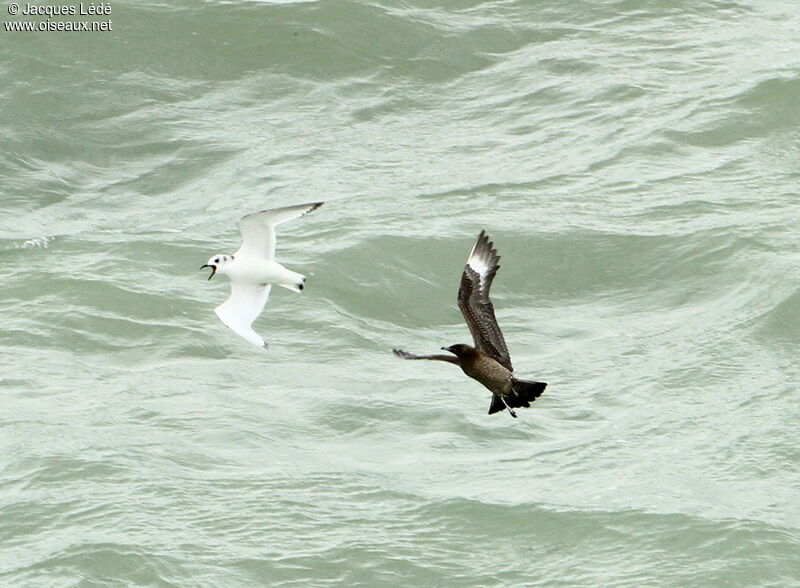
pixel 488 361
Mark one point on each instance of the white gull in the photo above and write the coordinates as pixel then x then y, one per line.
pixel 252 269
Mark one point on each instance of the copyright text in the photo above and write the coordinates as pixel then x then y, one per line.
pixel 52 17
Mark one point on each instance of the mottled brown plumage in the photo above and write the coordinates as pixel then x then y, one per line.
pixel 473 300
pixel 488 361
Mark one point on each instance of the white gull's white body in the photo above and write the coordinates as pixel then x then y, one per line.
pixel 252 270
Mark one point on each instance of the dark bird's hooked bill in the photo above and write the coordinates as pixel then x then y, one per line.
pixel 488 361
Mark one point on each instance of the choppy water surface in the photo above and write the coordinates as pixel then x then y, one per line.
pixel 635 162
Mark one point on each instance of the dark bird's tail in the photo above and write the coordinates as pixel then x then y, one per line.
pixel 525 393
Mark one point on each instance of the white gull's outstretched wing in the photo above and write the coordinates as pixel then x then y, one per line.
pixel 243 307
pixel 258 229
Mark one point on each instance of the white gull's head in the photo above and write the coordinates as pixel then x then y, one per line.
pixel 218 264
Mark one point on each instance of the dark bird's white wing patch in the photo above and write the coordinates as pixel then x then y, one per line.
pixel 473 300
pixel 258 228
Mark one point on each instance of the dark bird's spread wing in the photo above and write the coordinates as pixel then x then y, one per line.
pixel 406 355
pixel 473 300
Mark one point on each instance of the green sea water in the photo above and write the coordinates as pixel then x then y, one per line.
pixel 636 163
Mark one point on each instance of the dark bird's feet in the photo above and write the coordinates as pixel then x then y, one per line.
pixel 510 410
